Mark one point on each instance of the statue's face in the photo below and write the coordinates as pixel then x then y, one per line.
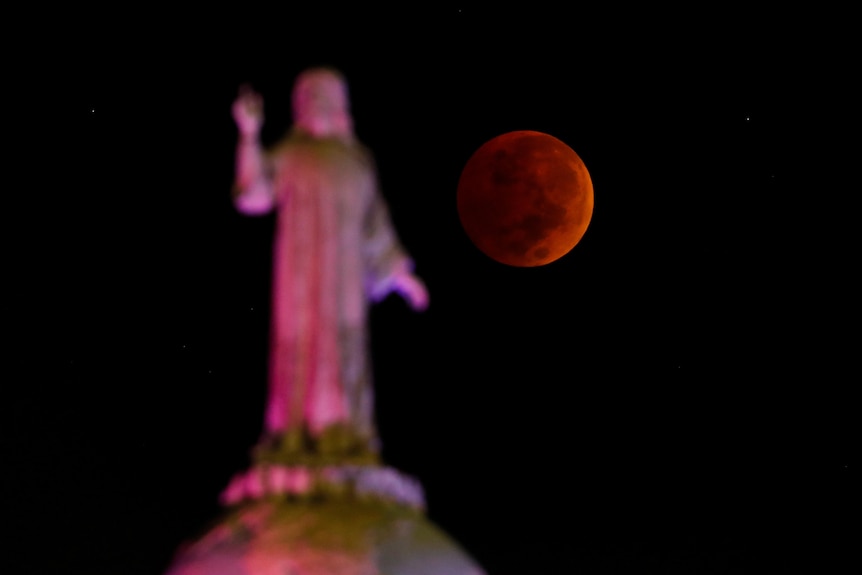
pixel 321 106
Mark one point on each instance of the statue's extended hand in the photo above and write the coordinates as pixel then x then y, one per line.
pixel 413 289
pixel 248 111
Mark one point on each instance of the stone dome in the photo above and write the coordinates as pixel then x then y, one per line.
pixel 327 536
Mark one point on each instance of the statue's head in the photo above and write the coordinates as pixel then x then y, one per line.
pixel 321 106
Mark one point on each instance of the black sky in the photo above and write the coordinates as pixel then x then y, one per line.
pixel 675 388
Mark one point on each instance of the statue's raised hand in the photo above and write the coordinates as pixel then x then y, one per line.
pixel 248 111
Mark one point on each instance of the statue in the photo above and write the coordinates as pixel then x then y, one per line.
pixel 335 251
pixel 316 498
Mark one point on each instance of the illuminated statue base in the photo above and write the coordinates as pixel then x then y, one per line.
pixel 326 508
pixel 336 465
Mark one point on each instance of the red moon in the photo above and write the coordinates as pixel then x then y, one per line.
pixel 525 198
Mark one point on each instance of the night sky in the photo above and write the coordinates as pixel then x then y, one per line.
pixel 673 395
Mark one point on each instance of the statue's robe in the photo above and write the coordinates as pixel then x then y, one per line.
pixel 335 251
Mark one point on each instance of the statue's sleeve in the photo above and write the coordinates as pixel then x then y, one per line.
pixel 252 191
pixel 383 254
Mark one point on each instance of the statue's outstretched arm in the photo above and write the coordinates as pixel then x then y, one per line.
pixel 252 189
pixel 405 283
pixel 411 288
pixel 388 266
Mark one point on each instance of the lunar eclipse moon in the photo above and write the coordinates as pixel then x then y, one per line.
pixel 525 198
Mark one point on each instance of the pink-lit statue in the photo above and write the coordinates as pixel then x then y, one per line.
pixel 317 499
pixel 335 251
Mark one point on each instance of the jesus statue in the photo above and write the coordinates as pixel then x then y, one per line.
pixel 335 251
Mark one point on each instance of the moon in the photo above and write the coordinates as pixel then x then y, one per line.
pixel 525 198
